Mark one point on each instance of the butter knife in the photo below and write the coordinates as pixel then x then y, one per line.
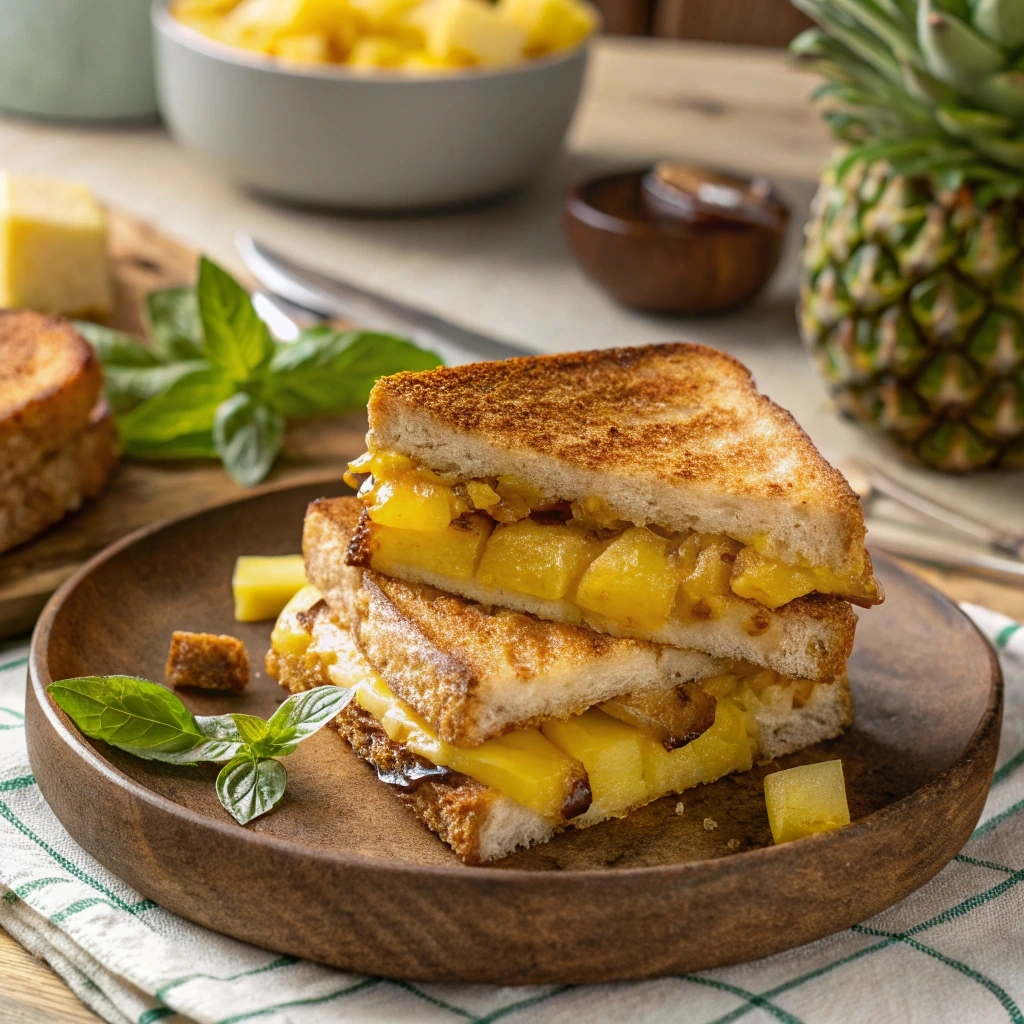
pixel 328 296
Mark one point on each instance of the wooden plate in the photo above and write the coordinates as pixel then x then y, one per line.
pixel 342 874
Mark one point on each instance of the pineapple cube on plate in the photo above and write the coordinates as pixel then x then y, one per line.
pixel 806 800
pixel 473 29
pixel 262 586
pixel 551 24
pixel 53 242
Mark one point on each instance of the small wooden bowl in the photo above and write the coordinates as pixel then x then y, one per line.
pixel 661 264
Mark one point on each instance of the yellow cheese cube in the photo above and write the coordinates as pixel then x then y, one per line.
pixel 312 48
pixel 453 552
pixel 262 586
pixel 551 24
pixel 474 29
pixel 805 800
pixel 53 241
pixel 633 581
pixel 611 752
pixel 542 559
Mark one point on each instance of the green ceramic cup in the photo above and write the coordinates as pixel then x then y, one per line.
pixel 77 59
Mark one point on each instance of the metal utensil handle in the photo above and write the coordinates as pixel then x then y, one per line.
pixel 1008 543
pixel 991 566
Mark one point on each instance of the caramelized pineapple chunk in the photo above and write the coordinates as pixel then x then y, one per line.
pixel 453 552
pixel 288 636
pixel 773 583
pixel 672 717
pixel 262 586
pixel 725 747
pixel 541 559
pixel 806 800
pixel 411 502
pixel 523 766
pixel 633 581
pixel 611 752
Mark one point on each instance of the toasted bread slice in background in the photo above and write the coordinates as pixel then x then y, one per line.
pixel 60 481
pixel 472 671
pixel 674 435
pixel 809 638
pixel 50 383
pixel 476 821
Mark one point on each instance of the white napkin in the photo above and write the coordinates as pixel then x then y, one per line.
pixel 951 952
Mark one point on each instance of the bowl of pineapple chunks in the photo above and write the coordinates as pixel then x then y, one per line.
pixel 373 104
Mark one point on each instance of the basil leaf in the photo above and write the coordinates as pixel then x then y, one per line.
pixel 222 743
pixel 249 786
pixel 250 728
pixel 128 386
pixel 248 435
pixel 188 446
pixel 236 339
pixel 128 712
pixel 174 327
pixel 326 371
pixel 303 714
pixel 115 348
pixel 188 406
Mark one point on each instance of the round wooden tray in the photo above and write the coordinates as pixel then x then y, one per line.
pixel 341 873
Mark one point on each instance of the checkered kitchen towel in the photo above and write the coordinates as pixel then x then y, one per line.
pixel 951 952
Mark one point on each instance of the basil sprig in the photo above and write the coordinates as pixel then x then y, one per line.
pixel 213 383
pixel 149 721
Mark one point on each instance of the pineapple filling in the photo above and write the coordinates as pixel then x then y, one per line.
pixel 507 535
pixel 595 765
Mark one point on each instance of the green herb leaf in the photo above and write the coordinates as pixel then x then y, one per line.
pixel 249 786
pixel 327 371
pixel 189 446
pixel 115 348
pixel 128 712
pixel 252 729
pixel 128 386
pixel 187 407
pixel 174 327
pixel 248 435
pixel 236 339
pixel 303 714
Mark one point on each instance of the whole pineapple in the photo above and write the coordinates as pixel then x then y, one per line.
pixel 912 274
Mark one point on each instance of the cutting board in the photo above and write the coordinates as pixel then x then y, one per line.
pixel 144 259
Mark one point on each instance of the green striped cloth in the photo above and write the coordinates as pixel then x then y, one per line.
pixel 951 952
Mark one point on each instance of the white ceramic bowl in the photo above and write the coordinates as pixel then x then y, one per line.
pixel 379 141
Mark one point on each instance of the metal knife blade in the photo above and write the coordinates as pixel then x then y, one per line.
pixel 331 296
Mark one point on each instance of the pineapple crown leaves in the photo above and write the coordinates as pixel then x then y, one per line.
pixel 933 86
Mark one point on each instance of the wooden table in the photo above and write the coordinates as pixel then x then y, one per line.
pixel 503 268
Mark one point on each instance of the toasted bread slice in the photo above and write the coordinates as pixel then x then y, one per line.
pixel 50 383
pixel 59 482
pixel 475 672
pixel 674 435
pixel 810 638
pixel 479 823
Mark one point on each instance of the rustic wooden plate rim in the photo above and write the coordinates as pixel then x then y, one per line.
pixel 39 679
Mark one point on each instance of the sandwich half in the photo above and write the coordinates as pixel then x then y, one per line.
pixel 647 492
pixel 499 729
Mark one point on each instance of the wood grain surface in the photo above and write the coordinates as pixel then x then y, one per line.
pixel 341 873
pixel 142 260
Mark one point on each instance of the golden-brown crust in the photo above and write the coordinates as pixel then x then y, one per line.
pixel 60 481
pixel 50 381
pixel 207 661
pixel 682 413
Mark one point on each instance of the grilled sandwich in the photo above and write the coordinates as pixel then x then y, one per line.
pixel 500 729
pixel 58 441
pixel 646 492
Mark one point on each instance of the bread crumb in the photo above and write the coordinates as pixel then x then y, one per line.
pixel 680 808
pixel 209 661
pixel 710 824
pixel 733 844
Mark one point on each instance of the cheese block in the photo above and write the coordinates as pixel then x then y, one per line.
pixel 53 237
